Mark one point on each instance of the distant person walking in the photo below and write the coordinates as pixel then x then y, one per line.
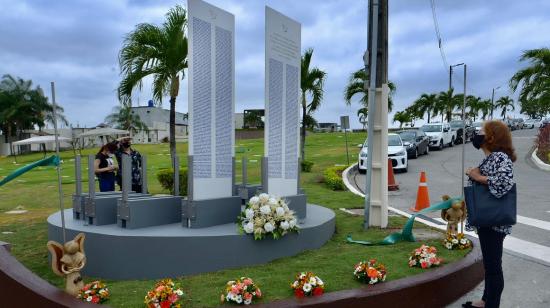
pixel 104 167
pixel 496 171
pixel 125 148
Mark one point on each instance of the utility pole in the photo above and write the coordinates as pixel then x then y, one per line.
pixel 493 101
pixel 376 67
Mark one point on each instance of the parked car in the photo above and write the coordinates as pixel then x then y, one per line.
pixel 396 152
pixel 440 134
pixel 545 123
pixel 532 123
pixel 415 141
pixel 456 125
pixel 477 126
pixel 511 125
pixel 518 123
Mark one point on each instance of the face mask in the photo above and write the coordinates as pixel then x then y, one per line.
pixel 126 144
pixel 477 141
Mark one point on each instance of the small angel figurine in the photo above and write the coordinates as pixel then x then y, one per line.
pixel 67 261
pixel 454 215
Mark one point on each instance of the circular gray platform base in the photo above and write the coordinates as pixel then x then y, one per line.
pixel 172 250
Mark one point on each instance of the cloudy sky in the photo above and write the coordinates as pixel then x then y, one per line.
pixel 75 43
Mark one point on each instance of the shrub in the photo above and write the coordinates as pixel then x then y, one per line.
pixel 166 180
pixel 333 178
pixel 542 143
pixel 306 165
pixel 165 140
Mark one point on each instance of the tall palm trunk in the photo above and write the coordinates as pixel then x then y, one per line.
pixel 429 112
pixel 303 129
pixel 174 91
pixel 173 126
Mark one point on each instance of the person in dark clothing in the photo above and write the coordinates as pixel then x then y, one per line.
pixel 125 148
pixel 496 171
pixel 104 167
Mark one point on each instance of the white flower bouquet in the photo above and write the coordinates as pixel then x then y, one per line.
pixel 265 215
pixel 457 241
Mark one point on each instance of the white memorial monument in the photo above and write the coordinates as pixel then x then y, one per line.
pixel 282 124
pixel 211 199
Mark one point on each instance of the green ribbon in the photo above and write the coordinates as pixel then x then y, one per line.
pixel 406 233
pixel 50 161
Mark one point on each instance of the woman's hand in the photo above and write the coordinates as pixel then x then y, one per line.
pixel 475 175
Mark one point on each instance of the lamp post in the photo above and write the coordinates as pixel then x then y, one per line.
pixel 451 83
pixel 493 101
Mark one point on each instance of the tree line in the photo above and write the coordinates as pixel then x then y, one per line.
pixel 532 82
pixel 24 107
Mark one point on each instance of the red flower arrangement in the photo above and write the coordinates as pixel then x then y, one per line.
pixel 307 284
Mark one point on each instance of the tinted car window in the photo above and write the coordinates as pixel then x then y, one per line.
pixel 407 135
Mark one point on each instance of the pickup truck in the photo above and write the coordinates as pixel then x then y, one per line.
pixel 440 134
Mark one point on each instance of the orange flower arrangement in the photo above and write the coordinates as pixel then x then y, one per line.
pixel 370 272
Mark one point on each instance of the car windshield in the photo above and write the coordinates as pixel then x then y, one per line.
pixel 477 124
pixel 394 140
pixel 456 124
pixel 431 128
pixel 407 135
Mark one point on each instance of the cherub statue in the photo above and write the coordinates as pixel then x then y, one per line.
pixel 454 215
pixel 67 261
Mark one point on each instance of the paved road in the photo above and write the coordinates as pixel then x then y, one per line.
pixel 527 251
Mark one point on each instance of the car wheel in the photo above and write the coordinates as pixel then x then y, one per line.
pixel 452 142
pixel 427 151
pixel 415 155
pixel 362 171
pixel 441 144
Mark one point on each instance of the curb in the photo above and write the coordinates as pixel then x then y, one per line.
pixel 396 211
pixel 22 288
pixel 536 160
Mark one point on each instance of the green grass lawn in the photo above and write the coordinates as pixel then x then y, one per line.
pixel 36 191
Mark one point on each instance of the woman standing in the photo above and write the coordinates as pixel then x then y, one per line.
pixel 104 167
pixel 495 171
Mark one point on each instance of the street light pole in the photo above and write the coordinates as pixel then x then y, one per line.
pixel 463 133
pixel 451 85
pixel 493 101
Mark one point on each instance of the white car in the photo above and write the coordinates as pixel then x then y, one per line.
pixel 477 126
pixel 440 134
pixel 532 123
pixel 396 152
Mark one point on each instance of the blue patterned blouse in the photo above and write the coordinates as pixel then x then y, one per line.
pixel 498 168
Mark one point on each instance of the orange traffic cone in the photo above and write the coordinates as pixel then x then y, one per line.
pixel 422 197
pixel 391 179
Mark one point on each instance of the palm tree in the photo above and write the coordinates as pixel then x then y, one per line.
pixel 448 102
pixel 23 106
pixel 425 105
pixel 312 80
pixel 534 80
pixel 356 84
pixel 506 103
pixel 402 117
pixel 475 104
pixel 122 117
pixel 362 114
pixel 440 107
pixel 160 52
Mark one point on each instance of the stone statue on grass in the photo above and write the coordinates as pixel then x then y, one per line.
pixel 67 261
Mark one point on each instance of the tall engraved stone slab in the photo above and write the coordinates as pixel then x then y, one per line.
pixel 282 91
pixel 211 112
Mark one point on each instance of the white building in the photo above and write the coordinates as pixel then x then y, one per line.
pixel 158 123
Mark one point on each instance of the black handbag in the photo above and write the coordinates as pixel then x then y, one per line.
pixel 486 210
